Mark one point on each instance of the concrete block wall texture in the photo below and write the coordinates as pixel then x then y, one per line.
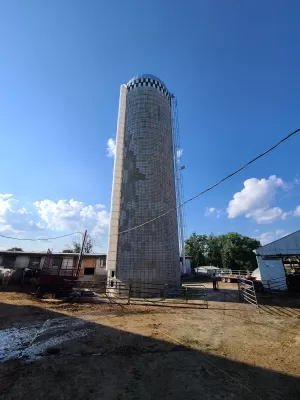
pixel 149 254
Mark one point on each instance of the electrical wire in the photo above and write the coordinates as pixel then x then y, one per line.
pixel 37 239
pixel 213 186
pixel 180 205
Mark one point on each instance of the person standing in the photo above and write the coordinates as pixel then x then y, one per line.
pixel 214 279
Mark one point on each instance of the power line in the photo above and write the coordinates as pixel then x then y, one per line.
pixel 216 184
pixel 37 239
pixel 180 205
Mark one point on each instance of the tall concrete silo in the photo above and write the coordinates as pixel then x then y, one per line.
pixel 144 188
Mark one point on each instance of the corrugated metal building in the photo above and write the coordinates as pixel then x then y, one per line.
pixel 279 263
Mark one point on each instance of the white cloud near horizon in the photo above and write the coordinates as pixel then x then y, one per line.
pixel 111 148
pixel 268 237
pixel 13 218
pixel 48 215
pixel 71 215
pixel 255 199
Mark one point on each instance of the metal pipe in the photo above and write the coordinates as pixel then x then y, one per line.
pixel 178 188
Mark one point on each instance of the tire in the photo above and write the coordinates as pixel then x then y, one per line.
pixel 228 280
pixel 223 280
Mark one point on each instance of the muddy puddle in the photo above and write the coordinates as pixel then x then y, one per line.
pixel 31 342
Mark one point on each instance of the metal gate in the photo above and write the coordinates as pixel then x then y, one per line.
pixel 247 291
pixel 162 294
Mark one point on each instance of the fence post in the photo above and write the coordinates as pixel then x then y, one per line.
pixel 239 288
pixel 165 290
pixel 186 294
pixel 129 294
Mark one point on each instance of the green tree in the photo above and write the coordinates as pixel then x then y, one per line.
pixel 214 256
pixel 196 248
pixel 77 243
pixel 15 249
pixel 229 251
pixel 237 251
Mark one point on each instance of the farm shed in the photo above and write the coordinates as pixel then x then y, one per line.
pixel 279 263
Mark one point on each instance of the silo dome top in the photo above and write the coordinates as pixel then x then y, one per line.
pixel 146 76
pixel 148 80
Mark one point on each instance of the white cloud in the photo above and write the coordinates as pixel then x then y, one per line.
pixel 265 238
pixel 71 216
pixel 14 219
pixel 268 237
pixel 111 147
pixel 179 154
pixel 100 206
pixel 265 216
pixel 297 211
pixel 286 214
pixel 209 211
pixel 254 200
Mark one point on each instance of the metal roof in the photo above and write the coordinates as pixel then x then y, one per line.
pixel 44 253
pixel 287 245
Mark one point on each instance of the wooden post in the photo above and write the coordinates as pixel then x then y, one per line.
pixel 81 253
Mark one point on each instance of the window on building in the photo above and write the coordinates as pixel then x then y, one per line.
pixel 9 261
pixel 34 262
pixel 104 262
pixel 112 274
pixel 89 271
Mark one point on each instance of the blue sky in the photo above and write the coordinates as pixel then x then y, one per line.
pixel 233 66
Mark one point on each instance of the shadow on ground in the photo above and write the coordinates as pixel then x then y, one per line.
pixel 108 363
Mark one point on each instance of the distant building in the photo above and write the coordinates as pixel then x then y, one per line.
pixel 144 187
pixel 206 271
pixel 93 266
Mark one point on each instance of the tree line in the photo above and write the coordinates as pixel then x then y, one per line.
pixel 228 251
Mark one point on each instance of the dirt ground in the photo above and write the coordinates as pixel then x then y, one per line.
pixel 56 350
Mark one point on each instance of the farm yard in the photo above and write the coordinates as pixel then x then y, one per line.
pixel 53 349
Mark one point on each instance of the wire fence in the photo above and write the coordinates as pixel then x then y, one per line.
pixel 148 292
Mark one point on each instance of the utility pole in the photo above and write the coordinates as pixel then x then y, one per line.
pixel 81 253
